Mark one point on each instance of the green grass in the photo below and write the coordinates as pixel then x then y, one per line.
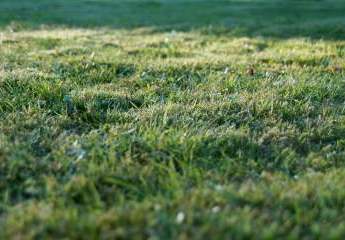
pixel 172 119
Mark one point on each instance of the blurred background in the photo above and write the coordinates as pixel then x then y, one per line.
pixel 267 18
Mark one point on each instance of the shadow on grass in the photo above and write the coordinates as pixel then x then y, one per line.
pixel 268 18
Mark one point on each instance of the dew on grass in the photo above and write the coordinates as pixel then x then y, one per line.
pixel 215 209
pixel 180 217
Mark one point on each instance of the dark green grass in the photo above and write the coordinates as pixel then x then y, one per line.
pixel 172 120
pixel 310 18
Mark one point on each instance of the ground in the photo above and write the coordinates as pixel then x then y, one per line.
pixel 172 119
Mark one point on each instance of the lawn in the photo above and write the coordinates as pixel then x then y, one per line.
pixel 165 119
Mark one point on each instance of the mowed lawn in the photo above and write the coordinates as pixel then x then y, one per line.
pixel 172 119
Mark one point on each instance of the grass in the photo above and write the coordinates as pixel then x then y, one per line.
pixel 172 119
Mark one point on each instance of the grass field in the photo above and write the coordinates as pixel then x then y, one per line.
pixel 172 119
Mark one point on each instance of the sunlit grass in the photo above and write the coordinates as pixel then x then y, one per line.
pixel 172 129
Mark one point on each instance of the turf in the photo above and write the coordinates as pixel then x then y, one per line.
pixel 172 119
